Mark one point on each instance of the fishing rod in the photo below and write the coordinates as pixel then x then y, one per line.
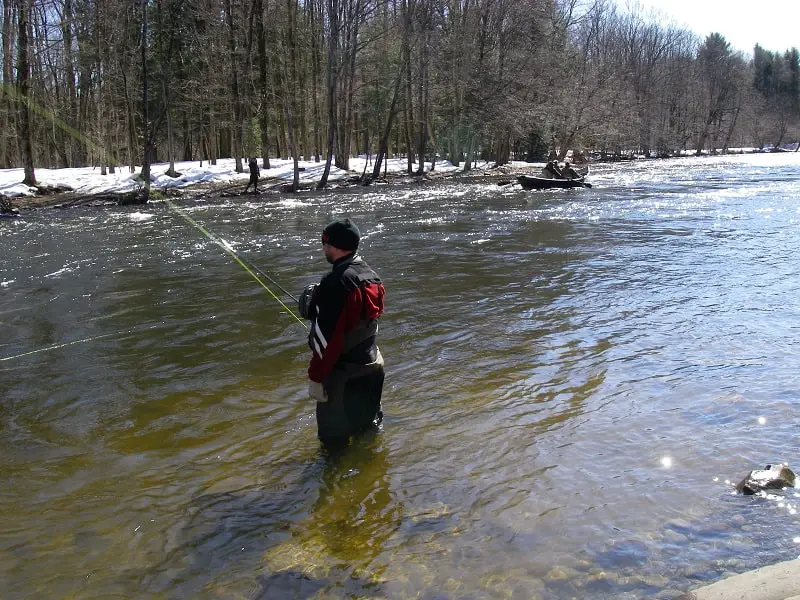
pixel 271 280
pixel 251 269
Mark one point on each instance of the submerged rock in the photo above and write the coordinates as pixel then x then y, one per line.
pixel 771 477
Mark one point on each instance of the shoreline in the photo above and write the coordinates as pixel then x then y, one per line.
pixel 270 187
pixel 59 196
pixel 779 581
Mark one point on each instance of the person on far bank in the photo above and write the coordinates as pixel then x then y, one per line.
pixel 254 174
pixel 346 370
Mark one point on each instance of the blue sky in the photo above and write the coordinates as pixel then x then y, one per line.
pixel 774 25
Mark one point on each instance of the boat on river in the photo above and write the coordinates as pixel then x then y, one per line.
pixel 533 182
pixel 546 181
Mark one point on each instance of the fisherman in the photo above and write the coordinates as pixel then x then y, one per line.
pixel 254 173
pixel 346 369
pixel 551 170
pixel 567 172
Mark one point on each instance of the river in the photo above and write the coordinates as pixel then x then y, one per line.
pixel 575 379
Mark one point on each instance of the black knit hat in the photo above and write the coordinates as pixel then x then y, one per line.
pixel 342 234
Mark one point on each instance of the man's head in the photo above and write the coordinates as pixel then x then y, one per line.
pixel 339 239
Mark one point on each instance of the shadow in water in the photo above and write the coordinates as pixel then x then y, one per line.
pixel 335 548
pixel 321 533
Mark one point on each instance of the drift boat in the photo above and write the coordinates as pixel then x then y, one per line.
pixel 531 182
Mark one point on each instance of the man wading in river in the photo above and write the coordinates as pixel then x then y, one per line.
pixel 346 370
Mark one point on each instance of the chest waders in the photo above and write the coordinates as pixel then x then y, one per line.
pixel 354 401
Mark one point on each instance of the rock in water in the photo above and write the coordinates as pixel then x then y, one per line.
pixel 772 477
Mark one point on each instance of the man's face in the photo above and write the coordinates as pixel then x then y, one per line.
pixel 328 250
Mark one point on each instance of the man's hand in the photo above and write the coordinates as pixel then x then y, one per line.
pixel 316 391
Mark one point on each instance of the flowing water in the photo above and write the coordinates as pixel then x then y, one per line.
pixel 574 379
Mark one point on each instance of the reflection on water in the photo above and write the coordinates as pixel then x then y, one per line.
pixel 571 378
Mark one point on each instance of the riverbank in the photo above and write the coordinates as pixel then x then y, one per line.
pixel 780 581
pixel 62 188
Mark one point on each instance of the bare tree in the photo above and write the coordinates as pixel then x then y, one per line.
pixel 235 94
pixel 23 91
pixel 6 95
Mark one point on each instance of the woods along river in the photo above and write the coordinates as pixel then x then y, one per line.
pixel 574 380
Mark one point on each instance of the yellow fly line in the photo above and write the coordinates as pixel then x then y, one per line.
pixel 85 139
pixel 227 248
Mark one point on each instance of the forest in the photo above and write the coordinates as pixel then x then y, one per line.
pixel 120 83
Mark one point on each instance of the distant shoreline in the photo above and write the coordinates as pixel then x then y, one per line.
pixel 54 197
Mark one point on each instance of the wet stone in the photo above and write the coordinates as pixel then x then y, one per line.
pixel 624 553
pixel 680 525
pixel 771 477
pixel 668 595
pixel 738 521
pixel 561 574
pixel 673 537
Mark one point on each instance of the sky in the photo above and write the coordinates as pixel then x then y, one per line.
pixel 774 25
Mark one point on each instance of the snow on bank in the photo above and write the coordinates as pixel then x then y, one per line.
pixel 88 180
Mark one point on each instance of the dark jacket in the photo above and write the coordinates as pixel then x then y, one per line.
pixel 344 313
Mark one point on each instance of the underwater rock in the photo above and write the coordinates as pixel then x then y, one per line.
pixel 771 477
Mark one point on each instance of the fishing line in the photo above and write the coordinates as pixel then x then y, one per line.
pixel 235 255
pixel 251 269
pixel 260 272
pixel 83 341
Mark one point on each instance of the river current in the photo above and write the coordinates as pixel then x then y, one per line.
pixel 575 379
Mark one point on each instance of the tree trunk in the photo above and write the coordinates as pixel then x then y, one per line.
pixel 263 113
pixel 213 137
pixel 352 43
pixel 470 150
pixel 6 98
pixel 332 82
pixel 292 145
pixel 23 84
pixel 408 108
pixel 236 97
pixel 101 126
pixel 729 134
pixel 69 76
pixel 170 142
pixel 131 127
pixel 146 131
pixel 422 102
pixel 288 87
pixel 315 65
pixel 187 153
pixel 701 142
pixel 301 106
pixel 383 143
